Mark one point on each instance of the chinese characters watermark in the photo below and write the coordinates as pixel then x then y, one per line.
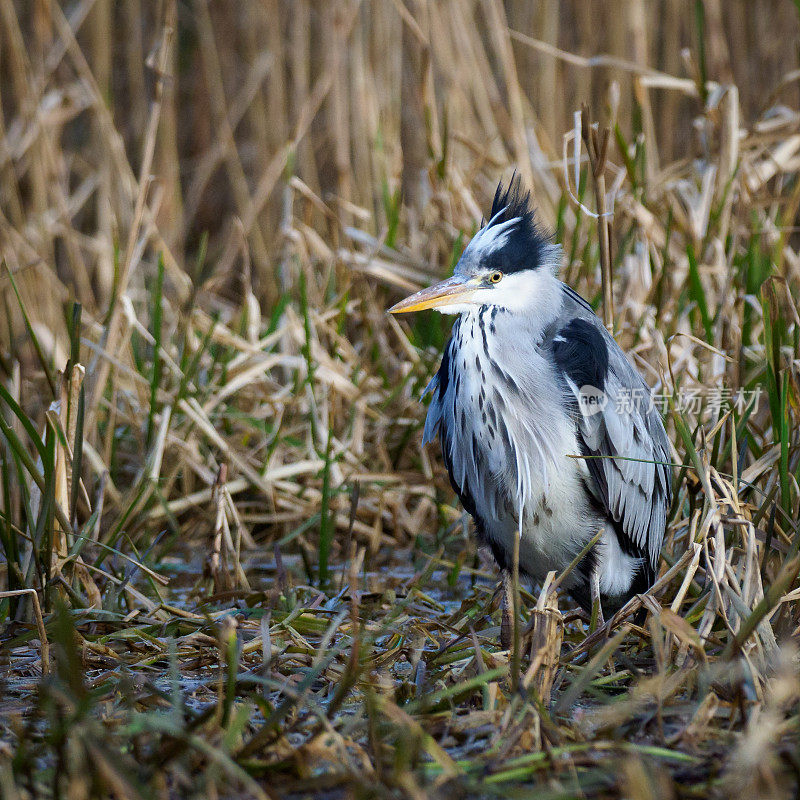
pixel 714 400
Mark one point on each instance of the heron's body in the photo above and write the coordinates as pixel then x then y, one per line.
pixel 523 449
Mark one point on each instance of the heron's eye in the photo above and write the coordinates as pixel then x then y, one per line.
pixel 496 277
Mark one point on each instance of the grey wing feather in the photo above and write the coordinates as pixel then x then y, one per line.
pixel 625 443
pixel 452 419
pixel 434 411
pixel 635 479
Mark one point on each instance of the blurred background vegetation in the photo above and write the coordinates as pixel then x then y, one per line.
pixel 227 566
pixel 357 100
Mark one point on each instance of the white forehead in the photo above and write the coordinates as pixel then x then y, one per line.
pixel 490 238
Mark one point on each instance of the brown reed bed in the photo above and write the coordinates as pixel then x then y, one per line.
pixel 227 566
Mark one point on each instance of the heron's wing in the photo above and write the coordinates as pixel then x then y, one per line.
pixel 437 387
pixel 623 440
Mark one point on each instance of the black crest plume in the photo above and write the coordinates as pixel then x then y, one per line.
pixel 525 246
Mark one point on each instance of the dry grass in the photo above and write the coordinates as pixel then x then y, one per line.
pixel 227 567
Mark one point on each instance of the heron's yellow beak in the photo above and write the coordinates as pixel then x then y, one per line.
pixel 451 291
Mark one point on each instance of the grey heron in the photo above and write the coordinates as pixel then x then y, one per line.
pixel 545 426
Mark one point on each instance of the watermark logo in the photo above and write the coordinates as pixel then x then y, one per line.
pixel 592 400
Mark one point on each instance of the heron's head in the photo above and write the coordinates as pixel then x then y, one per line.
pixel 508 263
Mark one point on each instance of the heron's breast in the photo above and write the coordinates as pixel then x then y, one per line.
pixel 557 521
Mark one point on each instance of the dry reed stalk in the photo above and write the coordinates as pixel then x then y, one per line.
pixel 113 333
pixel 597 148
pixel 546 632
